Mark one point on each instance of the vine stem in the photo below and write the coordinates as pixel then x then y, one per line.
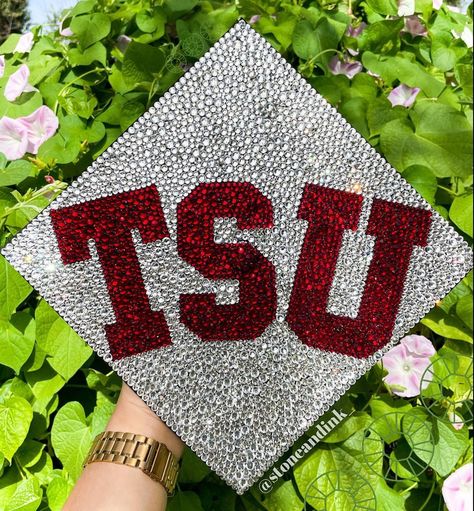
pixel 406 490
pixel 61 92
pixel 425 503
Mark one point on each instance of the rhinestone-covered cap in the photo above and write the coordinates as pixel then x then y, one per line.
pixel 240 115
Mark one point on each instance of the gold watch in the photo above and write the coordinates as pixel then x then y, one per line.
pixel 140 451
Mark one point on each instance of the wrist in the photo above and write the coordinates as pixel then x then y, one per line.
pixel 132 415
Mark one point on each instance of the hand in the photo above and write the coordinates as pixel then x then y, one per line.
pixel 132 415
pixel 111 487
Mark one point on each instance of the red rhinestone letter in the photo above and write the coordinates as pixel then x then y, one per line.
pixel 397 228
pixel 108 221
pixel 256 308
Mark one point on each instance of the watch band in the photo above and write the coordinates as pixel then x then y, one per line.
pixel 140 451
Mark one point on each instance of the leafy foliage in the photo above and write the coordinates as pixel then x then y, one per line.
pixel 55 395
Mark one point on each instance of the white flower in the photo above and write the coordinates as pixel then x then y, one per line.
pixel 406 7
pixel 25 43
pixel 13 138
pixel 457 489
pixel 18 83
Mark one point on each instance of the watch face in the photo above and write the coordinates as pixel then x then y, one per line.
pixel 240 256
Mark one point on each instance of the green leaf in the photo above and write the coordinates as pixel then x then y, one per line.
pixel 461 213
pixel 27 209
pixel 74 127
pixel 95 53
pixel 29 453
pixel 42 67
pixel 440 139
pixel 381 36
pixel 449 445
pixel 181 5
pixel 335 461
pixel 13 289
pixel 349 427
pixel 78 101
pixel 103 383
pixel 447 325
pixel 90 28
pixel 423 180
pixel 59 149
pixel 463 75
pixel 354 111
pixel 122 111
pixel 43 469
pixel 71 437
pixel 464 310
pixel 17 387
pixel 10 44
pixel 193 469
pixel 58 491
pixel 309 42
pixel 151 21
pixel 15 419
pixel 404 68
pixel 386 7
pixel 387 413
pixel 281 28
pixel 185 501
pixel 141 62
pixel 463 288
pixel 17 340
pixel 283 498
pixel 348 459
pixel 82 7
pixel 26 497
pixel 387 498
pixel 66 350
pixel 101 414
pixel 45 383
pixel 16 172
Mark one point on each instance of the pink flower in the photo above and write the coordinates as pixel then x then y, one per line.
pixel 254 19
pixel 13 138
pixel 122 42
pixel 456 420
pixel 437 4
pixel 25 43
pixel 18 83
pixel 356 31
pixel 2 65
pixel 406 7
pixel 344 67
pixel 406 364
pixel 414 26
pixel 403 95
pixel 457 489
pixel 40 125
pixel 65 32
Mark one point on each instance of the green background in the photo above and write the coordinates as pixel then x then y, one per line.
pixel 55 395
